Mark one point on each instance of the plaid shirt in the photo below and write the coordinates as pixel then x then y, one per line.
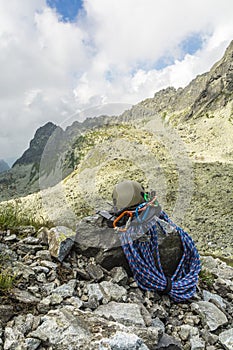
pixel 141 260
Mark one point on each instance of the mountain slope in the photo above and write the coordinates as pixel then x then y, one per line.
pixel 23 177
pixel 180 143
pixel 3 166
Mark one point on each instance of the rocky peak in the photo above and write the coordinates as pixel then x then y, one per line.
pixel 33 154
pixel 209 91
pixel 3 166
pixel 218 89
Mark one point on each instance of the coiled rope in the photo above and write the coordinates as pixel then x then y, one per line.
pixel 182 285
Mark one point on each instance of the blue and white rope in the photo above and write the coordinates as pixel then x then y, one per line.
pixel 141 260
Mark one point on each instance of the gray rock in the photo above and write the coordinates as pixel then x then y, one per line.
pixel 32 343
pixel 168 342
pixel 51 265
pixel 14 335
pixel 210 338
pixel 185 331
pixel 197 343
pixel 95 272
pixel 146 315
pixel 119 275
pixel 24 296
pixel 157 323
pixel 60 240
pixel 82 273
pixel 112 291
pixel 214 317
pixel 226 339
pixel 39 269
pixel 128 314
pixel 47 288
pixel 23 271
pixel 111 258
pixel 95 290
pixel 210 296
pixel 217 267
pixel 41 278
pixel 7 254
pixel 94 238
pixel 75 301
pixel 42 234
pixel 43 255
pixel 66 290
pixel 26 230
pixel 123 341
pixel 71 328
pixel 6 312
pixel 13 339
pixel 30 240
pixel 150 335
pixel 10 238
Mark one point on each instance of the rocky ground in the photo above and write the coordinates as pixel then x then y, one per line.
pixel 78 304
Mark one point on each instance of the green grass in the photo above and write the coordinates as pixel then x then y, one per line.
pixel 7 280
pixel 10 217
pixel 206 278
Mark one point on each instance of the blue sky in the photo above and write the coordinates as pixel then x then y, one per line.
pixel 68 9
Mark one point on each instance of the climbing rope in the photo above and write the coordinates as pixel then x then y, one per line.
pixel 144 206
pixel 139 253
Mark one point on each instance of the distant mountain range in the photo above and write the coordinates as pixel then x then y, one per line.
pixel 3 166
pixel 143 143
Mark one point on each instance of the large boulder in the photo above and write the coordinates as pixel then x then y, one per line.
pixel 95 238
pixel 60 240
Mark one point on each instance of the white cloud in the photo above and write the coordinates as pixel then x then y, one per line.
pixel 51 69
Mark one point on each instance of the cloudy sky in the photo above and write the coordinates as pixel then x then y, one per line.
pixel 59 58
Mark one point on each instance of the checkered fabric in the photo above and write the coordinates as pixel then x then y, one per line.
pixel 140 257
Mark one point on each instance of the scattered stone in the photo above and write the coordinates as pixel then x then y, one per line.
pixel 207 296
pixel 6 313
pixel 30 240
pixel 119 275
pixel 24 296
pixel 168 342
pixel 157 323
pixel 128 314
pixel 213 316
pixel 82 273
pixel 197 343
pixel 75 301
pixel 11 238
pixel 226 339
pixel 44 255
pixel 24 231
pixel 123 341
pixel 95 290
pixel 32 343
pixel 66 290
pixel 95 272
pixel 185 331
pixel 60 240
pixel 49 264
pixel 42 234
pixel 112 291
pixel 217 267
pixel 115 312
pixel 21 270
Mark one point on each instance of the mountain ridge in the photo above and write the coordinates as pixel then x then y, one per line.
pixel 180 142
